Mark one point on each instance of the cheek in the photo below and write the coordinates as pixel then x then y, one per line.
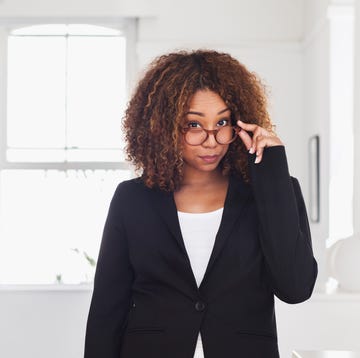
pixel 188 152
pixel 225 149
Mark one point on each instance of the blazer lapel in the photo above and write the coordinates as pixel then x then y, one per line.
pixel 165 205
pixel 236 198
pixel 235 202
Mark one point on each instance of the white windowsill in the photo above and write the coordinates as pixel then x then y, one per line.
pixel 48 287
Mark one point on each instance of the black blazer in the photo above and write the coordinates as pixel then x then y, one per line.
pixel 146 303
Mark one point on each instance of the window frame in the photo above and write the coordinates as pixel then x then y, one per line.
pixel 128 26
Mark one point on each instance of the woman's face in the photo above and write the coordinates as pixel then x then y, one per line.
pixel 208 110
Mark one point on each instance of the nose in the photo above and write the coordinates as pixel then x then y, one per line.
pixel 210 141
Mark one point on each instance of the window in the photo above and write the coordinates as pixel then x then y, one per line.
pixel 61 148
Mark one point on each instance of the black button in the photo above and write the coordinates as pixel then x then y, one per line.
pixel 199 306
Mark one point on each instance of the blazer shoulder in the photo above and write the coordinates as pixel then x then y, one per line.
pixel 130 183
pixel 129 187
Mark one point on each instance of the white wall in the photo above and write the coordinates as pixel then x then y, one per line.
pixel 228 21
pixel 315 14
pixel 11 9
pixel 211 21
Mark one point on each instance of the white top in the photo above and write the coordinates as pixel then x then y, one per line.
pixel 199 231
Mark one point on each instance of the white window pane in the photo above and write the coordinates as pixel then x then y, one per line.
pixel 45 215
pixel 36 85
pixel 35 96
pixel 96 91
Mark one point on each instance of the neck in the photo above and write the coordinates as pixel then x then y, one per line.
pixel 194 177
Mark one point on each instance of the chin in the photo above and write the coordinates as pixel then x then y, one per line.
pixel 208 167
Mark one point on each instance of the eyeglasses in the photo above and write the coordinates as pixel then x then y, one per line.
pixel 198 135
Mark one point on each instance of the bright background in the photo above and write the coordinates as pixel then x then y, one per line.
pixel 304 52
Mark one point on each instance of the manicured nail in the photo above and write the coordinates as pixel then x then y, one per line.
pixel 251 151
pixel 257 160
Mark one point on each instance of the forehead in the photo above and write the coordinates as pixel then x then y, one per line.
pixel 206 101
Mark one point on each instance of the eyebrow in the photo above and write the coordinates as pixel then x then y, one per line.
pixel 203 115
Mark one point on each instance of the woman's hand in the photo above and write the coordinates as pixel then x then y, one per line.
pixel 261 139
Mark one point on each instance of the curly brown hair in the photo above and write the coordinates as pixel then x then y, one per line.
pixel 156 112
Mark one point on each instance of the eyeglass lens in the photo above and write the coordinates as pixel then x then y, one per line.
pixel 196 136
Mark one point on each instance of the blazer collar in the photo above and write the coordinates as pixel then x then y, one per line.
pixel 238 193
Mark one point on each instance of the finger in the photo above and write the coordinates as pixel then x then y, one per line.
pixel 258 159
pixel 260 146
pixel 255 128
pixel 256 137
pixel 247 126
pixel 245 137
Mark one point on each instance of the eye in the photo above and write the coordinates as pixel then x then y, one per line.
pixel 223 122
pixel 193 124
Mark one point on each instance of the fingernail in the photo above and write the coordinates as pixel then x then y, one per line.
pixel 257 160
pixel 251 150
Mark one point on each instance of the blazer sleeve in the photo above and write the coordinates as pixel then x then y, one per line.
pixel 290 267
pixel 111 296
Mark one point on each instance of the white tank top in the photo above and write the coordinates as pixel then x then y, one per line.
pixel 199 231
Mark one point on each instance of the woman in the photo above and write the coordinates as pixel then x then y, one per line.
pixel 194 250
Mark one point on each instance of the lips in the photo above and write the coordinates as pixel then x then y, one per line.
pixel 209 158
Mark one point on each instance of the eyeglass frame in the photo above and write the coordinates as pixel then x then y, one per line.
pixel 213 132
